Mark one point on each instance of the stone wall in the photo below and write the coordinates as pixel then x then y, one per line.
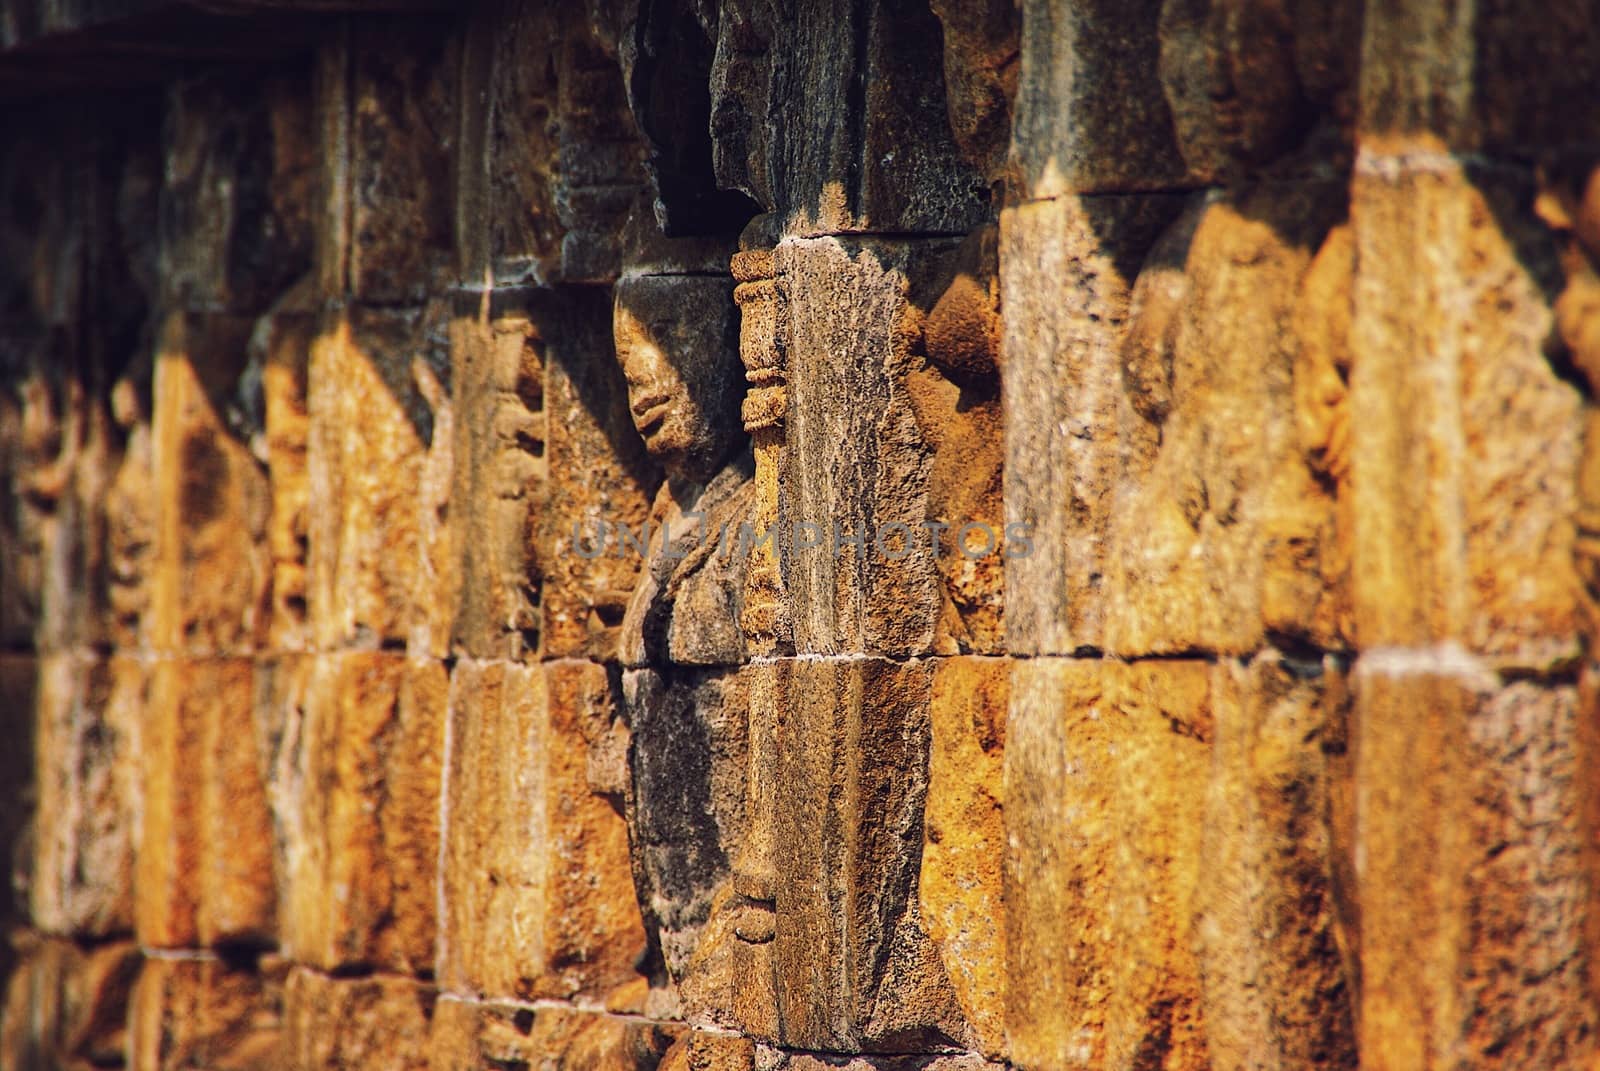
pixel 739 535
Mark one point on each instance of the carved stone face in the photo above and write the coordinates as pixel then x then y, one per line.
pixel 677 341
pixel 1229 79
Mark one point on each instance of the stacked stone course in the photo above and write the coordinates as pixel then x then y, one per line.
pixel 327 327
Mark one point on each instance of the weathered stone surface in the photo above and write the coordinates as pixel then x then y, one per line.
pixel 1090 115
pixel 1464 456
pixel 39 435
pixel 240 169
pixel 697 1051
pixel 206 1013
pixel 955 393
pixel 881 160
pixel 687 811
pixel 1274 897
pixel 340 1024
pixel 19 690
pixel 469 1036
pixel 529 850
pixel 1115 98
pixel 1586 751
pixel 851 963
pixel 1481 79
pixel 67 1006
pixel 1217 932
pixel 555 161
pixel 1103 862
pixel 982 41
pixel 212 575
pixel 498 374
pixel 356 795
pixel 1484 944
pixel 1221 530
pixel 1067 267
pixel 773 1059
pixel 856 463
pixel 380 554
pixel 131 511
pixel 1173 500
pixel 78 239
pixel 204 865
pixel 590 432
pixel 280 355
pixel 388 91
pixel 86 737
pixel 507 230
pixel 961 883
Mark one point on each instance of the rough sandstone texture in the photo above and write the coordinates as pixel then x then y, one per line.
pixel 1144 604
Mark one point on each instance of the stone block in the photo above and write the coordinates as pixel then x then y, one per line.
pixel 85 761
pixel 599 471
pixel 62 587
pixel 982 43
pixel 1275 901
pixel 883 160
pixel 537 887
pixel 1464 459
pixel 1472 885
pixel 1090 113
pixel 239 180
pixel 341 1024
pixel 1487 79
pixel 211 579
pixel 1067 269
pixel 1103 862
pixel 194 1013
pixel 913 176
pixel 48 235
pixel 961 881
pixel 522 163
pixel 394 162
pixel 66 1005
pixel 1175 500
pixel 498 376
pixel 204 865
pixel 1117 98
pixel 356 795
pixel 855 461
pixel 468 1036
pixel 685 770
pixel 131 512
pixel 847 957
pixel 877 359
pixel 553 157
pixel 381 439
pixel 39 443
pixel 1223 531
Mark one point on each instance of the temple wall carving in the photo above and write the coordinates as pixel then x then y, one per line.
pixel 774 535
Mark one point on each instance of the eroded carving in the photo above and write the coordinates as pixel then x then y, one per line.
pixel 130 505
pixel 1570 205
pixel 956 395
pixel 682 645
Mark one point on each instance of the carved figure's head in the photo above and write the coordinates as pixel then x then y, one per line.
pixel 1228 77
pixel 677 340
